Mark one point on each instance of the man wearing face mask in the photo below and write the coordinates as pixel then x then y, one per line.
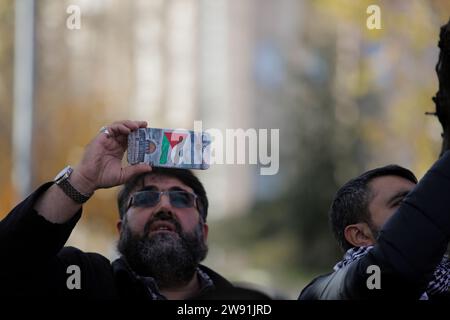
pixel 162 228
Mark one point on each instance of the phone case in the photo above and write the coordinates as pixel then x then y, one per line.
pixel 169 148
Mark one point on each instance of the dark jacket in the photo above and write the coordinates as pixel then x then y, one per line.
pixel 410 245
pixel 34 261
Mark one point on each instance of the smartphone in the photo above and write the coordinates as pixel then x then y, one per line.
pixel 171 148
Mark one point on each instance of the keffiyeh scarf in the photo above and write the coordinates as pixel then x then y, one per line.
pixel 440 282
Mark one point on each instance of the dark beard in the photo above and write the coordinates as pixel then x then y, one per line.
pixel 171 259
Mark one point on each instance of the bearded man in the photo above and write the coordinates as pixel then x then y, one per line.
pixel 162 228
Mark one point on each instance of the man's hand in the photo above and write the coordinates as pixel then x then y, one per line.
pixel 101 165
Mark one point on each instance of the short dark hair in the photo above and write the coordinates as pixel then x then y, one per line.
pixel 351 202
pixel 184 175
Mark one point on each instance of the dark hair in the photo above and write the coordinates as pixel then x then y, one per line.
pixel 351 202
pixel 184 175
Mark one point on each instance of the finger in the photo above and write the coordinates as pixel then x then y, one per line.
pixel 132 125
pixel 142 124
pixel 119 129
pixel 131 171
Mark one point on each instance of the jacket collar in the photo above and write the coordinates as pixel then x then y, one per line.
pixel 132 285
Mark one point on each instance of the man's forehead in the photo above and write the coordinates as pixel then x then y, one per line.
pixel 161 182
pixel 388 185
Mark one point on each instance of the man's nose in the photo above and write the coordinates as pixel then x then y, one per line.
pixel 164 202
pixel 163 207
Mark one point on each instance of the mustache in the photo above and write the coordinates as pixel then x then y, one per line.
pixel 163 216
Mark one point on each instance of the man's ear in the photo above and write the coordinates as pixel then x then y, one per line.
pixel 205 232
pixel 119 225
pixel 359 235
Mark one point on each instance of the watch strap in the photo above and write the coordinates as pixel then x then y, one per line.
pixel 73 193
pixel 62 180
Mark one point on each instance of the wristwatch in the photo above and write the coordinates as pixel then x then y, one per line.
pixel 62 181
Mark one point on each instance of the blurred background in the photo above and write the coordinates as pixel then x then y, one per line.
pixel 345 98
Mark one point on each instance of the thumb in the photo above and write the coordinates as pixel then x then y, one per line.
pixel 134 170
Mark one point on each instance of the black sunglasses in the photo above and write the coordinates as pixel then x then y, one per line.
pixel 148 198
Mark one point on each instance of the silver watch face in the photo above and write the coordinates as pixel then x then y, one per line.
pixel 64 174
